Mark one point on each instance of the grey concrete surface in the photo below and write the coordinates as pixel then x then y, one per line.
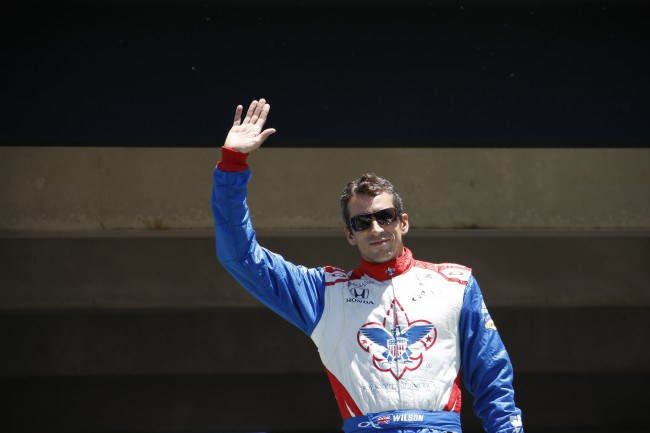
pixel 116 316
pixel 97 189
pixel 176 272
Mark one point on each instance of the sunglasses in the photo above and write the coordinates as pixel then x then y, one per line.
pixel 383 217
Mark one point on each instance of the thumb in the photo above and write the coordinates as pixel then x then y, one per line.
pixel 266 134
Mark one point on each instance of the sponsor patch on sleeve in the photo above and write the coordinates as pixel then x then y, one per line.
pixel 489 324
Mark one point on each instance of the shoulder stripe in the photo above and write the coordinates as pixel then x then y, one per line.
pixel 451 272
pixel 334 275
pixel 340 280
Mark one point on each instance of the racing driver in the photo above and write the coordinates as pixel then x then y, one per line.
pixel 396 335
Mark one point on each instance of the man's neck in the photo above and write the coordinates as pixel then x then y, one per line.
pixel 386 270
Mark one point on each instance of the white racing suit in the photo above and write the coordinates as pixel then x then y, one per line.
pixel 395 338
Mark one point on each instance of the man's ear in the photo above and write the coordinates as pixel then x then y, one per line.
pixel 404 224
pixel 349 235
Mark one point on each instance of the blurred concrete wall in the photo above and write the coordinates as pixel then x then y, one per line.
pixel 105 189
pixel 115 314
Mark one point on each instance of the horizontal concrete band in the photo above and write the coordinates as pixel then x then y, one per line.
pixel 257 341
pixel 182 272
pixel 300 402
pixel 90 189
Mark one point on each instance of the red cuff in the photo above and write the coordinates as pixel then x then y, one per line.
pixel 232 160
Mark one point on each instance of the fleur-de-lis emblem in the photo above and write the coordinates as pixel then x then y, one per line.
pixel 397 344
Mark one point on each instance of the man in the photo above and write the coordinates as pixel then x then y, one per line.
pixel 396 335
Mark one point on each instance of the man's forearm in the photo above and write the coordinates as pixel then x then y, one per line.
pixel 294 292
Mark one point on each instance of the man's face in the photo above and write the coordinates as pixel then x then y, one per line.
pixel 377 244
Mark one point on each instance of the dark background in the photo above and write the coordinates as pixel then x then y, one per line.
pixel 338 73
pixel 146 369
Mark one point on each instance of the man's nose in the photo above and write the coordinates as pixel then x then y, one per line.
pixel 375 227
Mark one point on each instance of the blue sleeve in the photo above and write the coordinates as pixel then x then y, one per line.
pixel 486 368
pixel 293 292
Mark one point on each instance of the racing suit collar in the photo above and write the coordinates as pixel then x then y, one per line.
pixel 387 270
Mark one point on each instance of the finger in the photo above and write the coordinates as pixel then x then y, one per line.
pixel 238 115
pixel 258 111
pixel 263 115
pixel 249 113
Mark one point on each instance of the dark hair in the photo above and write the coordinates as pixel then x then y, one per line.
pixel 372 185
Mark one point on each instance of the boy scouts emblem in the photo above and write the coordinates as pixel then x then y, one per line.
pixel 397 344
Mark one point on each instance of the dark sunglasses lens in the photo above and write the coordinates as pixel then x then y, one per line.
pixel 385 216
pixel 363 222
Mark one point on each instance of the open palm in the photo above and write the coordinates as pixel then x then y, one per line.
pixel 247 135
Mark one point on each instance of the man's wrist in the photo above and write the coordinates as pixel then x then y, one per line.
pixel 232 160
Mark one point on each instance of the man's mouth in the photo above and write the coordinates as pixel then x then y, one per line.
pixel 379 242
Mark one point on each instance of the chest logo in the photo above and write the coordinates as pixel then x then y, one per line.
pixel 397 344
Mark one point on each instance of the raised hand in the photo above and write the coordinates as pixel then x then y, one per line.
pixel 247 135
